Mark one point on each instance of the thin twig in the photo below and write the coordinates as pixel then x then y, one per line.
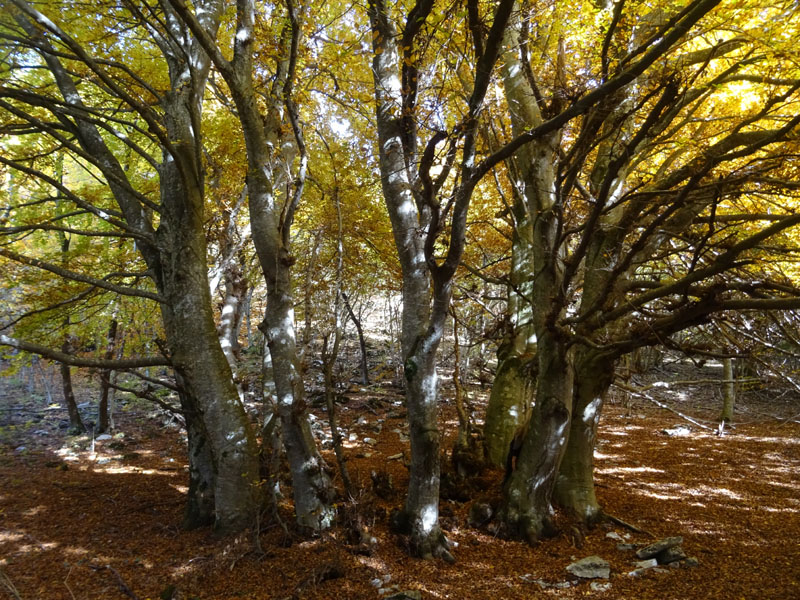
pixel 66 585
pixel 641 394
pixel 627 525
pixel 9 585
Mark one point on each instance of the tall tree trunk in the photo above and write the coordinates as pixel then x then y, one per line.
pixel 75 423
pixel 199 511
pixel 527 496
pixel 575 484
pixel 105 376
pixel 511 397
pixel 728 391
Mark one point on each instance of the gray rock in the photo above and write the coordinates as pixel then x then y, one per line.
pixel 647 564
pixel 613 535
pixel 671 555
pixel 638 572
pixel 600 587
pixel 691 562
pixel 377 582
pixel 661 545
pixel 103 437
pixel 591 567
pixel 626 547
pixel 370 441
pixel 678 431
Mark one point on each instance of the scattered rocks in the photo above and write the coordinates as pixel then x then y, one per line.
pixel 654 549
pixel 591 567
pixel 596 586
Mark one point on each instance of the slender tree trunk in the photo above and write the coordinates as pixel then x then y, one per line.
pixel 362 342
pixel 313 492
pixel 105 375
pixel 728 391
pixel 75 423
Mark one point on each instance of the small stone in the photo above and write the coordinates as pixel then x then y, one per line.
pixel 370 441
pixel 647 564
pixel 377 582
pixel 591 567
pixel 362 421
pixel 615 536
pixel 671 555
pixel 103 437
pixel 691 562
pixel 103 461
pixel 600 587
pixel 661 545
pixel 20 449
pixel 395 456
pixel 352 437
pixel 638 572
pixel 626 547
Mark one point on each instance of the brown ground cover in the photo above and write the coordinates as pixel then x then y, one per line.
pixel 78 524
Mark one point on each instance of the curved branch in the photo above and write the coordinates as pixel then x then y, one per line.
pixel 79 361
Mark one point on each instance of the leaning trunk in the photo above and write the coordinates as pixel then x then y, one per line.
pixel 311 485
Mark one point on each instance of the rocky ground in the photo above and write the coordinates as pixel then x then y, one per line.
pixel 98 519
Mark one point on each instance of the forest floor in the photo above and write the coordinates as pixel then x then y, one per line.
pixel 82 520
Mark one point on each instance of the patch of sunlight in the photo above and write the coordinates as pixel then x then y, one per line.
pixel 622 470
pixel 38 547
pixel 75 551
pixel 183 489
pixel 782 441
pixel 32 512
pixel 10 536
pixel 774 509
pixel 129 470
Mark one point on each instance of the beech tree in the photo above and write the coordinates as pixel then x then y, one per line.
pixel 77 109
pixel 634 197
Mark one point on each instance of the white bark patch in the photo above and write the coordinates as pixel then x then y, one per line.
pixel 590 412
pixel 429 516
